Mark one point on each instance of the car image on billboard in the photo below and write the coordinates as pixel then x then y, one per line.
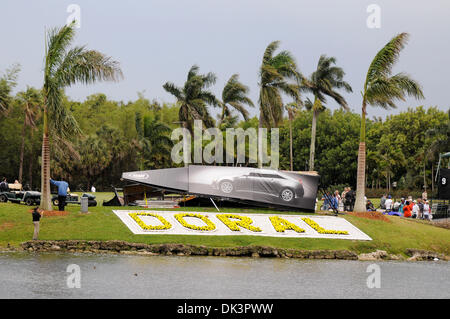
pixel 263 182
pixel 270 186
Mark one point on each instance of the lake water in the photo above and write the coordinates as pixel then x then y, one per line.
pixel 44 275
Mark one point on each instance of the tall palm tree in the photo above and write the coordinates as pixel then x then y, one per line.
pixel 194 97
pixel 64 67
pixel 292 108
pixel 30 101
pixel 322 83
pixel 278 74
pixel 381 88
pixel 234 95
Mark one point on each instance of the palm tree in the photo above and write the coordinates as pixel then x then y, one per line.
pixel 234 95
pixel 158 143
pixel 7 82
pixel 322 83
pixel 194 97
pixel 31 102
pixel 64 67
pixel 275 73
pixel 381 88
pixel 292 108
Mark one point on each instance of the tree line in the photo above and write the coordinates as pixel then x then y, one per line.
pixel 94 141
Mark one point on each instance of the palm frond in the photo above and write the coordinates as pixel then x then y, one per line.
pixel 383 62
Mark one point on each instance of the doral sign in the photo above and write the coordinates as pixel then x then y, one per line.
pixel 265 187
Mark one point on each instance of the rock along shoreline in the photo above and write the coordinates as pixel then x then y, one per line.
pixel 126 248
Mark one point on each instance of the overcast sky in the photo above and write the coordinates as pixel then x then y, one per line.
pixel 158 41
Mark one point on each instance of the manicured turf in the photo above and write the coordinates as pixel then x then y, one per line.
pixel 102 224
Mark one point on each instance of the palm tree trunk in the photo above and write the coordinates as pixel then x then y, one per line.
pixel 312 148
pixel 22 150
pixel 30 165
pixel 45 167
pixel 290 140
pixel 432 179
pixel 360 204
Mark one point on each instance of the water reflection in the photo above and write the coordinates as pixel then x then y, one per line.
pixel 119 276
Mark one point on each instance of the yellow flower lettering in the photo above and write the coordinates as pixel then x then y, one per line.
pixel 209 224
pixel 322 230
pixel 242 221
pixel 281 224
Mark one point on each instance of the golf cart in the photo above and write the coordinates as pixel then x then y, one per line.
pixel 16 195
pixel 75 199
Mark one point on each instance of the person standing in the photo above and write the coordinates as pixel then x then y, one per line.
pixel 426 210
pixel 388 203
pixel 340 204
pixel 420 204
pixel 326 200
pixel 62 193
pixel 349 199
pixel 425 195
pixel 383 202
pixel 334 204
pixel 36 218
pixel 415 210
pixel 4 187
pixel 93 189
pixel 344 192
pixel 352 198
pixel 407 209
pixel 402 205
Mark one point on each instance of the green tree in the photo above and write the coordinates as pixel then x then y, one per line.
pixel 158 143
pixel 278 74
pixel 234 95
pixel 193 98
pixel 324 82
pixel 382 89
pixel 292 109
pixel 30 102
pixel 7 82
pixel 64 67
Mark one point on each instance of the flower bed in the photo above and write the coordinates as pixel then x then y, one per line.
pixel 281 225
pixel 371 215
pixel 322 230
pixel 50 213
pixel 209 224
pixel 165 223
pixel 244 222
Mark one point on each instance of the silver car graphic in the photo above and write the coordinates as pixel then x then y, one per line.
pixel 262 183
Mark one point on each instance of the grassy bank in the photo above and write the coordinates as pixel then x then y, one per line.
pixel 102 224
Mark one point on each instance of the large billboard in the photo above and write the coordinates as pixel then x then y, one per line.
pixel 260 186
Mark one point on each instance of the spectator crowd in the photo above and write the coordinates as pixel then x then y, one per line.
pixel 412 208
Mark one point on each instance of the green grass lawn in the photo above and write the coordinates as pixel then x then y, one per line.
pixel 102 224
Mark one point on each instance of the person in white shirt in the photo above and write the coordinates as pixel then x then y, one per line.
pixel 415 210
pixel 388 203
pixel 426 210
pixel 92 189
